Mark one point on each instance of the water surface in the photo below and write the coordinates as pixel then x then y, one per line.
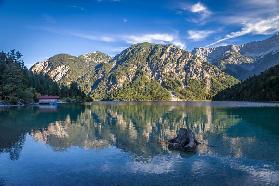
pixel 124 144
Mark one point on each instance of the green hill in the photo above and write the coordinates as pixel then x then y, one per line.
pixel 264 87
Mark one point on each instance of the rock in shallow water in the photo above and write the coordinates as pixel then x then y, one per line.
pixel 185 141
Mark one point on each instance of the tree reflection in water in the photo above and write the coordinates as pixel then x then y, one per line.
pixel 138 128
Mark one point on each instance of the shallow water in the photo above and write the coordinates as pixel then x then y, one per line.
pixel 121 143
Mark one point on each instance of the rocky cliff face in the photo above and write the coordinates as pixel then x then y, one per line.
pixel 244 60
pixel 162 72
pixel 65 69
pixel 142 72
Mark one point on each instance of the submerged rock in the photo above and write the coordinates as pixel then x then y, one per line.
pixel 185 141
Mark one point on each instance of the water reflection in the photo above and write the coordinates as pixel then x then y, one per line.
pixel 48 108
pixel 142 129
pixel 124 144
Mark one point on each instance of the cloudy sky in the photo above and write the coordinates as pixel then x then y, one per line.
pixel 42 28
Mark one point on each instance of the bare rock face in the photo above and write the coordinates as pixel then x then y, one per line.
pixel 180 75
pixel 184 141
pixel 242 61
pixel 65 68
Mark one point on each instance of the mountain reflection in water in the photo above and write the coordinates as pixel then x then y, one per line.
pixel 141 130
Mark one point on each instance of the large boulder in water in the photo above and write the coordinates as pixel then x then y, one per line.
pixel 185 141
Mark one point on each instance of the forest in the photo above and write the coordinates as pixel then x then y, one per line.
pixel 264 87
pixel 18 85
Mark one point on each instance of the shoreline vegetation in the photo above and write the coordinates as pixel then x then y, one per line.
pixel 19 86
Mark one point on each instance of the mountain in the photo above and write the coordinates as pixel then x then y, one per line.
pixel 142 72
pixel 264 87
pixel 18 85
pixel 65 68
pixel 244 60
pixel 161 72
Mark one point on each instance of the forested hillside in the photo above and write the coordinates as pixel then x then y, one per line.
pixel 142 72
pixel 264 87
pixel 148 72
pixel 19 85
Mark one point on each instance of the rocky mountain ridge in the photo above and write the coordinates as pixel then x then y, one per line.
pixel 162 72
pixel 242 61
pixel 177 72
pixel 142 72
pixel 65 68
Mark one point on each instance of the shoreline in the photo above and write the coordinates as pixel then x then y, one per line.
pixel 186 103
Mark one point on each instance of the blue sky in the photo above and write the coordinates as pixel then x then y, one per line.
pixel 42 28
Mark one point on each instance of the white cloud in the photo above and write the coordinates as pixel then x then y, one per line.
pixel 263 26
pixel 198 7
pixel 92 37
pixel 197 35
pixel 150 38
pixel 161 38
pixel 179 44
pixel 263 2
pixel 248 11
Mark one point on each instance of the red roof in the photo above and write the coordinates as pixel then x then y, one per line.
pixel 48 97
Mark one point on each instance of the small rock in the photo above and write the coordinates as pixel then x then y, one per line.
pixel 185 141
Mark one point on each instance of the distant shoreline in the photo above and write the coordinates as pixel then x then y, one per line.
pixel 178 103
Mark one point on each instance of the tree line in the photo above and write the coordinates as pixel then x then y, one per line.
pixel 263 87
pixel 20 85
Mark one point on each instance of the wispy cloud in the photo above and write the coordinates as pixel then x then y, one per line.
pixel 261 2
pixel 197 35
pixel 162 38
pixel 150 38
pixel 92 37
pixel 254 17
pixel 249 11
pixel 262 26
pixel 78 7
pixel 82 35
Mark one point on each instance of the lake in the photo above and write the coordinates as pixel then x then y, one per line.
pixel 118 143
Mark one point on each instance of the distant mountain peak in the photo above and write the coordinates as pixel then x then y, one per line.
pixel 243 60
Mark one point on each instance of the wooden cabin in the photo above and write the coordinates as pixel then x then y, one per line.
pixel 48 100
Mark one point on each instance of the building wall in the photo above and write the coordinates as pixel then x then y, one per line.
pixel 48 101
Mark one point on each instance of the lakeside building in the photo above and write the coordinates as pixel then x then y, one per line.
pixel 48 100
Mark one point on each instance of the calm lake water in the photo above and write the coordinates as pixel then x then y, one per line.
pixel 124 144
